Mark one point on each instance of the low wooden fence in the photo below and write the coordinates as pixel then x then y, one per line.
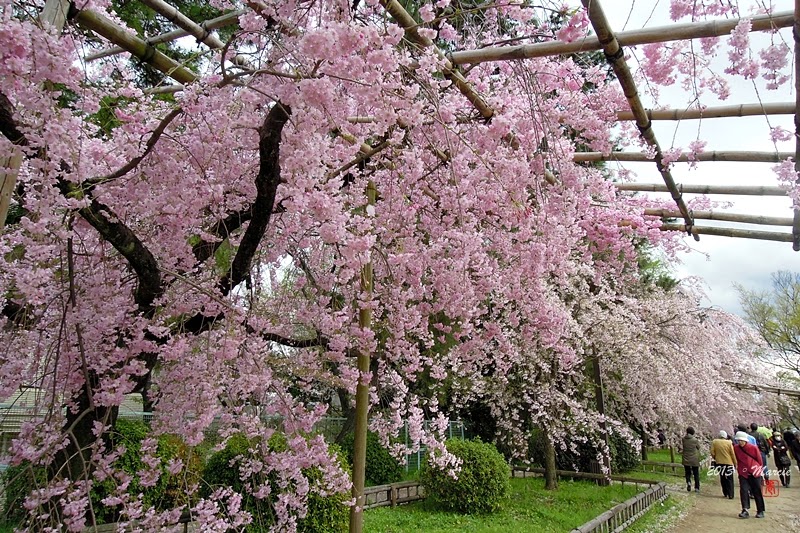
pixel 411 491
pixel 531 472
pixel 393 494
pixel 623 515
pixel 674 468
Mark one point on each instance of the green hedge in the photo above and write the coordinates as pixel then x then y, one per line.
pixel 19 481
pixel 624 457
pixel 482 484
pixel 381 468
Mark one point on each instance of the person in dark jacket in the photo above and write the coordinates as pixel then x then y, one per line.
pixel 763 447
pixel 691 459
pixel 780 454
pixel 750 468
pixel 793 443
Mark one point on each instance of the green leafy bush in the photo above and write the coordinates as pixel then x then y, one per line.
pixel 168 492
pixel 381 467
pixel 326 514
pixel 482 484
pixel 624 456
pixel 18 482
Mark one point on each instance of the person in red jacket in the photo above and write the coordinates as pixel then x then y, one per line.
pixel 750 468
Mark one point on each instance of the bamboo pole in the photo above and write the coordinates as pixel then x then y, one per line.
pixel 728 217
pixel 54 14
pixel 731 232
pixel 145 52
pixel 209 25
pixel 616 58
pixel 9 170
pixel 173 15
pixel 739 190
pixel 362 393
pixel 796 33
pixel 685 157
pixel 198 32
pixel 724 111
pixel 407 22
pixel 674 32
pixel 791 393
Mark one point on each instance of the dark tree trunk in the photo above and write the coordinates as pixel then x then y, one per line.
pixel 349 415
pixel 550 476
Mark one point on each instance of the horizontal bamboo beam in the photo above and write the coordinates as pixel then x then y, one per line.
pixel 104 27
pixel 209 25
pixel 721 215
pixel 723 111
pixel 792 393
pixel 739 190
pixel 731 232
pixel 685 157
pixel 674 32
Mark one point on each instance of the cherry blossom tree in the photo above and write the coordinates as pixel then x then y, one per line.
pixel 210 248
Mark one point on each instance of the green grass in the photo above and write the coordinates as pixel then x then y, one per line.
pixel 663 456
pixel 529 508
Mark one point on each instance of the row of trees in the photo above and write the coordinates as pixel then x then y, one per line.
pixel 218 249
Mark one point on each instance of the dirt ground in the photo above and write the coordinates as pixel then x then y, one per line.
pixel 710 511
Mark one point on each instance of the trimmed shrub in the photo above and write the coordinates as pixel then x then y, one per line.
pixel 381 467
pixel 483 482
pixel 326 514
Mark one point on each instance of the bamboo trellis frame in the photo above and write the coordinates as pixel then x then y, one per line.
pixel 616 58
pixel 606 40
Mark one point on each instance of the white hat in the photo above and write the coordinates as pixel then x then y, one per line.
pixel 723 434
pixel 741 435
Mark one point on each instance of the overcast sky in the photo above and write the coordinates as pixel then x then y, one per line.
pixel 720 261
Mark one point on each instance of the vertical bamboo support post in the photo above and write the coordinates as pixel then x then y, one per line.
pixel 362 395
pixel 54 14
pixel 796 33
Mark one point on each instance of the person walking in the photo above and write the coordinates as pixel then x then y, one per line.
pixel 691 459
pixel 793 443
pixel 763 447
pixel 725 462
pixel 780 454
pixel 750 468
